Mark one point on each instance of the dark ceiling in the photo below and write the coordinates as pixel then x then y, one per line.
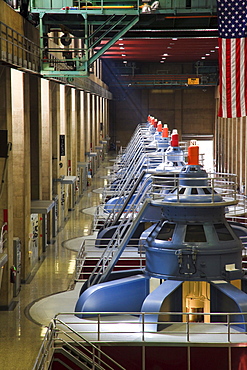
pixel 162 50
pixel 168 38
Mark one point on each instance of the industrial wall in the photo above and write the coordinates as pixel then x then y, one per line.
pixel 48 130
pixel 160 91
pixel 191 111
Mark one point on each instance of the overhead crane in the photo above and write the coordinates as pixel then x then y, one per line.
pixel 70 30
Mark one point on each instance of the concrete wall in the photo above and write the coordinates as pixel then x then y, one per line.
pixel 36 112
pixel 191 111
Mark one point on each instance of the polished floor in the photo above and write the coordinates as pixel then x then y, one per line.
pixel 20 335
pixel 52 290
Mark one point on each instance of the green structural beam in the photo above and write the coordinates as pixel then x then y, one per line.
pixel 113 40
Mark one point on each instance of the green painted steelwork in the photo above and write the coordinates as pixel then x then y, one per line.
pixel 121 6
pixel 87 23
pixel 113 40
pixel 71 61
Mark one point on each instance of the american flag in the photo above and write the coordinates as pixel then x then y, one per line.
pixel 232 19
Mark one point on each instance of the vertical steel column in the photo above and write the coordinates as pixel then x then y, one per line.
pixel 41 38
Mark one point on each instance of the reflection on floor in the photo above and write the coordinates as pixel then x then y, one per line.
pixel 20 336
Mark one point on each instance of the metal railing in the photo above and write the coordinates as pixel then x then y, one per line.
pixel 141 324
pixel 170 6
pixel 18 50
pixel 78 335
pixel 60 335
pixel 215 190
pixel 134 258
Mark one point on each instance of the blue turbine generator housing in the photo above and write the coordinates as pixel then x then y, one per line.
pixel 193 241
pixel 193 255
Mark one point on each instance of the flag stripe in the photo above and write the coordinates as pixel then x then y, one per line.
pixel 243 76
pixel 238 78
pixel 235 77
pixel 228 76
pixel 232 77
pixel 220 113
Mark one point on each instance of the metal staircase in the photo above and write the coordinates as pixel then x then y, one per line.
pixel 67 348
pixel 143 209
pixel 70 30
pixel 117 244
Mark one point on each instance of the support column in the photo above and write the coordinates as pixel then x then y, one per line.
pixel 35 132
pixel 63 211
pixel 73 133
pixel 89 123
pixel 6 188
pixel 46 164
pixel 93 123
pixel 81 128
pixel 46 127
pixel 56 193
pixel 21 165
pixel 101 118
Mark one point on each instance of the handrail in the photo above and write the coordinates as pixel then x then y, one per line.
pixel 136 255
pixel 18 49
pixel 47 348
pixel 138 326
pixel 143 324
pixel 52 339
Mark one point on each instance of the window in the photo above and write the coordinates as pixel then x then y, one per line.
pixel 194 191
pixel 166 231
pixel 195 233
pixel 222 232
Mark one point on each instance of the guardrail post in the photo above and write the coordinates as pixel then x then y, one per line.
pixel 187 328
pixel 228 329
pixel 98 326
pixel 143 327
pixel 143 358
